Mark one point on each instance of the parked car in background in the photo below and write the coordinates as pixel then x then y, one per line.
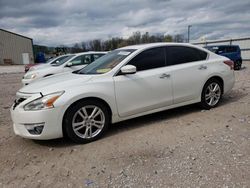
pixel 40 57
pixel 40 65
pixel 232 52
pixel 71 63
pixel 125 83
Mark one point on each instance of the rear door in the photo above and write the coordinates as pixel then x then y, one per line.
pixel 149 88
pixel 189 70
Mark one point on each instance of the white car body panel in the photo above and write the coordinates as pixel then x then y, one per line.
pixel 47 64
pixel 47 69
pixel 127 96
pixel 145 91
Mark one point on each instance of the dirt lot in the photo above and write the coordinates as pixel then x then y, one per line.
pixel 184 147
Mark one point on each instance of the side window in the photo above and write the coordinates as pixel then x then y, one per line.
pixel 81 60
pixel 96 56
pixel 76 61
pixel 181 54
pixel 221 49
pixel 86 59
pixel 149 59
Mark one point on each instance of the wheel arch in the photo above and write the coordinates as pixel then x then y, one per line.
pixel 219 78
pixel 85 99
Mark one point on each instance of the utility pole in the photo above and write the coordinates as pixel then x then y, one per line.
pixel 189 26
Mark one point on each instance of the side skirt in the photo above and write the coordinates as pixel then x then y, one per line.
pixel 116 118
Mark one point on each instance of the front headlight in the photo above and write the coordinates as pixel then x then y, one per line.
pixel 45 102
pixel 30 76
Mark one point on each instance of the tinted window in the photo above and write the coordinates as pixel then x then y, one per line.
pixel 221 49
pixel 149 59
pixel 180 54
pixel 231 49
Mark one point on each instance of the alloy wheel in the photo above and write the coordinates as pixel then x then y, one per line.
pixel 213 94
pixel 88 121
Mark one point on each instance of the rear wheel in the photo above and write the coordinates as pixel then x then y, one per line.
pixel 86 121
pixel 237 65
pixel 211 94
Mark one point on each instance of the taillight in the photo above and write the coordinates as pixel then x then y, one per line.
pixel 230 64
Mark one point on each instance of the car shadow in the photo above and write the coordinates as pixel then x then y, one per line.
pixel 128 125
pixel 57 143
pixel 146 120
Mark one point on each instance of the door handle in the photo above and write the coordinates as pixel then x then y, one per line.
pixel 165 76
pixel 202 67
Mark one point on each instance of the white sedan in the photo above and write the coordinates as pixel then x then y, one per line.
pixel 124 84
pixel 71 63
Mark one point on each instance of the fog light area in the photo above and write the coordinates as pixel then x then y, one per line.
pixel 35 128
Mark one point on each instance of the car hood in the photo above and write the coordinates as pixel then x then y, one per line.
pixel 55 83
pixel 41 72
pixel 40 66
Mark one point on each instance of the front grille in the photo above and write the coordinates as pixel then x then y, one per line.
pixel 18 101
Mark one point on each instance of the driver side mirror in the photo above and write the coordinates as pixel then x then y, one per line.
pixel 69 64
pixel 128 69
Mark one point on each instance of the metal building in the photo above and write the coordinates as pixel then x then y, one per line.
pixel 15 48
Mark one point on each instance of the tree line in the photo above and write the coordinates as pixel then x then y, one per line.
pixel 118 42
pixel 110 44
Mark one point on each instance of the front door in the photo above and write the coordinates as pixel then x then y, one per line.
pixel 149 88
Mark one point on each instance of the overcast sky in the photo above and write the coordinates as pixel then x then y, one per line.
pixel 65 22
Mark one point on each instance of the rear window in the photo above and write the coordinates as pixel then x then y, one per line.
pixel 222 49
pixel 231 49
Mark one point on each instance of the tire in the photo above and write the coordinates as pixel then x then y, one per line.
pixel 237 65
pixel 80 127
pixel 209 98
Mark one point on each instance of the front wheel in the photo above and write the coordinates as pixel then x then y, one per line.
pixel 211 94
pixel 86 121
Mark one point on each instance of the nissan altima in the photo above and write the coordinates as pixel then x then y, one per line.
pixel 125 83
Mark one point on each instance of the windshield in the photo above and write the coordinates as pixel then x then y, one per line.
pixel 214 49
pixel 61 60
pixel 50 60
pixel 106 62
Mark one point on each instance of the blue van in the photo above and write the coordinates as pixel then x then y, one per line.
pixel 230 51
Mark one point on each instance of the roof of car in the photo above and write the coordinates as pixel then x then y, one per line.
pixel 148 45
pixel 221 45
pixel 91 52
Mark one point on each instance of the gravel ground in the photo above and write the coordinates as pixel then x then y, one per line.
pixel 183 147
pixel 4 69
